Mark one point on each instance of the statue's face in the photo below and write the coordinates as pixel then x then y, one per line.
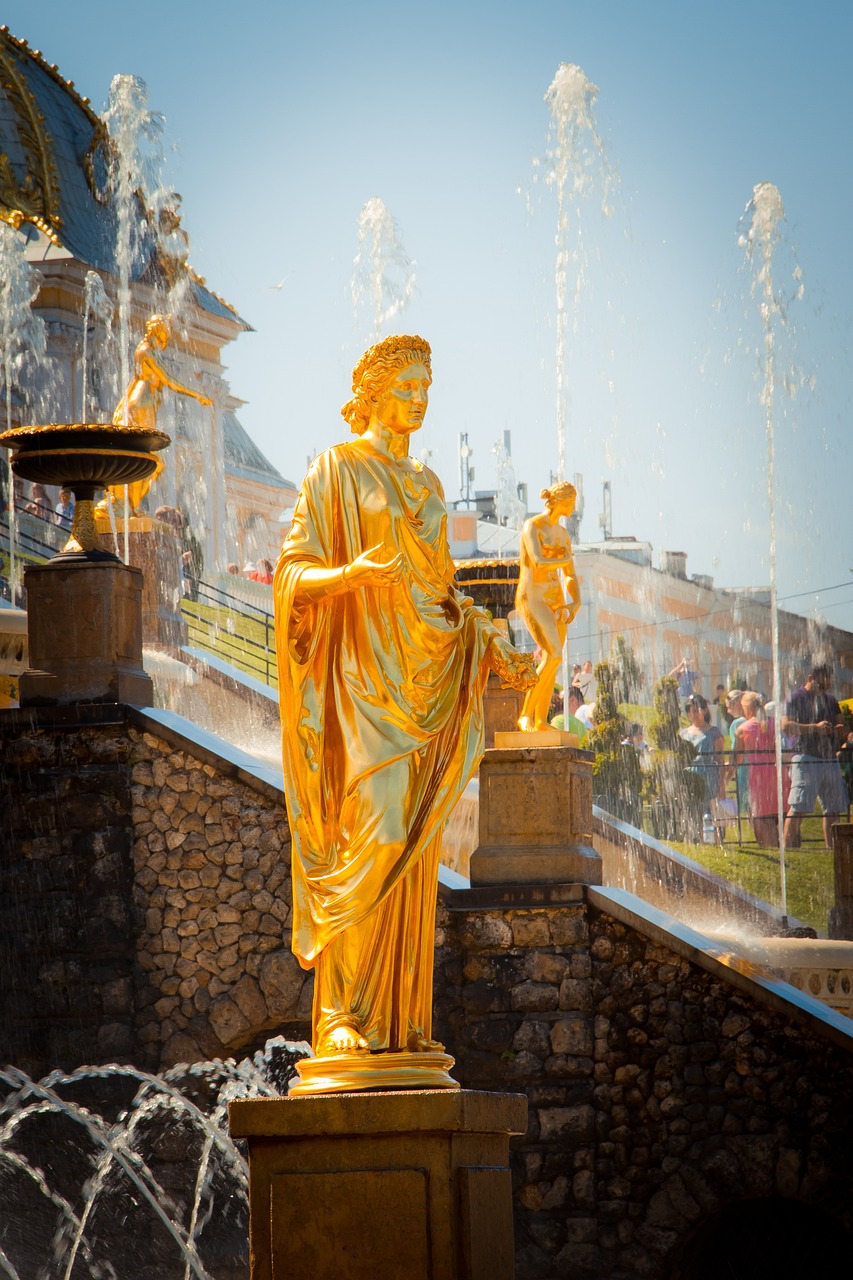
pixel 403 404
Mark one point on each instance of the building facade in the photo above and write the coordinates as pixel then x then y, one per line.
pixel 57 191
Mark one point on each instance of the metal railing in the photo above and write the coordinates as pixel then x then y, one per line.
pixel 218 622
pixel 37 538
pixel 241 634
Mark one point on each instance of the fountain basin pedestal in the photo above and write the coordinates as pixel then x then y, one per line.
pixel 535 818
pixel 84 622
pixel 155 548
pixel 358 1186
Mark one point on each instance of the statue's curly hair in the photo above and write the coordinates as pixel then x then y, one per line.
pixel 562 489
pixel 158 321
pixel 374 371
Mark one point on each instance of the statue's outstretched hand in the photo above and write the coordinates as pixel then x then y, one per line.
pixel 516 670
pixel 365 571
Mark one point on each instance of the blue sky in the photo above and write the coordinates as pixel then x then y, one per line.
pixel 284 119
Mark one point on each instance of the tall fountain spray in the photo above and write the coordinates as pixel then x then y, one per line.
pixel 509 508
pixel 763 219
pixel 22 349
pixel 97 305
pixel 383 279
pixel 131 125
pixel 577 165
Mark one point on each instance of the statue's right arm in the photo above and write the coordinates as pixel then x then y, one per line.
pixel 317 583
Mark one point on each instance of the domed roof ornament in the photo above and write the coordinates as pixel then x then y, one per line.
pixel 34 195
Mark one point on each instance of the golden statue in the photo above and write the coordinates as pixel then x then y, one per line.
pixel 548 596
pixel 382 665
pixel 139 405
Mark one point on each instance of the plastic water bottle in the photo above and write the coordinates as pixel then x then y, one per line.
pixel 709 835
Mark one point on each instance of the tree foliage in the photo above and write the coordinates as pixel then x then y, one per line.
pixel 628 675
pixel 617 777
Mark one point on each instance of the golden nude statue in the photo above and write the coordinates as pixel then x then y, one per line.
pixel 548 596
pixel 382 664
pixel 139 405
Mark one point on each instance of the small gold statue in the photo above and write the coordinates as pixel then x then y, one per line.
pixel 139 405
pixel 546 577
pixel 383 664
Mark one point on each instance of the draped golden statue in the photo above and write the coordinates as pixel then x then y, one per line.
pixel 382 666
pixel 546 565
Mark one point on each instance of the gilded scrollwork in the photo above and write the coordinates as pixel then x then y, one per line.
pixel 99 153
pixel 35 197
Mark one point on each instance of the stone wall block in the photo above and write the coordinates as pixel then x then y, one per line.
pixel 281 980
pixel 544 966
pixel 572 1036
pixel 535 997
pixel 573 1124
pixel 485 930
pixel 227 1021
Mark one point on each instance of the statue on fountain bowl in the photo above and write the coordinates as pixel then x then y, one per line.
pixel 548 595
pixel 139 405
pixel 383 664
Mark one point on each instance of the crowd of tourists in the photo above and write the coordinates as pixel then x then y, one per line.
pixel 738 748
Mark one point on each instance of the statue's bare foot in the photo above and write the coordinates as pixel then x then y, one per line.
pixel 525 724
pixel 418 1043
pixel 344 1038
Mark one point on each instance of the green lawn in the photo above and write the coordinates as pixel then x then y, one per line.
pixel 809 871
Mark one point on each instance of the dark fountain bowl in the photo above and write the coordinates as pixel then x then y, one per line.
pixel 84 457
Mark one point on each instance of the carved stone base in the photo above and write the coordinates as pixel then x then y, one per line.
pixel 370 1185
pixel 84 625
pixel 351 1072
pixel 535 817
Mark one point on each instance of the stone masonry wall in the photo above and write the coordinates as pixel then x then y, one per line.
pixel 145 916
pixel 144 898
pixel 66 922
pixel 213 903
pixel 659 1094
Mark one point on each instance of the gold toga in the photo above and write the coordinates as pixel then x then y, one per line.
pixel 382 728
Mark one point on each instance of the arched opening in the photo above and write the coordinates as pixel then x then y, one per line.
pixel 766 1239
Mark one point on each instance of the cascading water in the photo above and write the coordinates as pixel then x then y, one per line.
pixel 128 121
pixel 97 306
pixel 383 279
pixel 22 351
pixel 763 219
pixel 577 164
pixel 508 507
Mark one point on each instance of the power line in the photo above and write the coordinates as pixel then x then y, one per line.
pixel 818 591
pixel 701 618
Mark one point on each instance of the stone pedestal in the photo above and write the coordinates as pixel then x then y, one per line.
pixel 501 708
pixel 155 548
pixel 84 626
pixel 841 914
pixel 536 818
pixel 404 1186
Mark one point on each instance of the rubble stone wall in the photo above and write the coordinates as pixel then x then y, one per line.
pixel 659 1094
pixel 144 899
pixel 145 916
pixel 212 900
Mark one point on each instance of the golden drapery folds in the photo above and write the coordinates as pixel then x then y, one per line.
pixel 381 699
